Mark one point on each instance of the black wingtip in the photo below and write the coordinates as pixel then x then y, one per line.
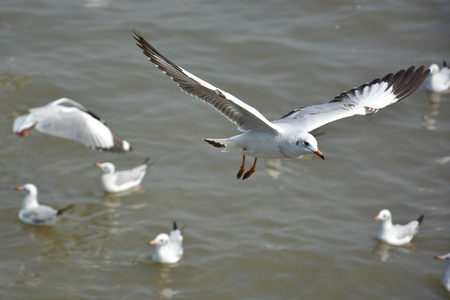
pixel 62 210
pixel 420 219
pixel 175 227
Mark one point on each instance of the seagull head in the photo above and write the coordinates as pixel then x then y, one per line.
pixel 434 68
pixel 445 257
pixel 302 143
pixel 31 197
pixel 161 239
pixel 106 167
pixel 28 188
pixel 23 124
pixel 383 215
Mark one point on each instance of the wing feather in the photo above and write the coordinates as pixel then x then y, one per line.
pixel 235 110
pixel 364 100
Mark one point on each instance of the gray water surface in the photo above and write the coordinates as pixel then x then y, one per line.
pixel 300 230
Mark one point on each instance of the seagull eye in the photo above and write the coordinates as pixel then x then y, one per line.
pixel 306 144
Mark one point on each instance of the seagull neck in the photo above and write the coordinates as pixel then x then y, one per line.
pixel 30 201
pixel 387 224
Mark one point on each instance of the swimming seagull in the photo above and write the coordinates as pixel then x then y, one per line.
pixel 396 235
pixel 446 280
pixel 34 213
pixel 68 119
pixel 288 136
pixel 118 181
pixel 439 80
pixel 169 249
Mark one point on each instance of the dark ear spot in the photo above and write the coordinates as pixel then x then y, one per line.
pixel 297 142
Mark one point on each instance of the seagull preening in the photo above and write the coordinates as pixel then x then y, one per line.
pixel 395 234
pixel 439 80
pixel 118 181
pixel 288 136
pixel 446 280
pixel 33 213
pixel 169 248
pixel 68 119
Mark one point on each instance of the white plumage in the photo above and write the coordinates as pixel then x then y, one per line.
pixel 169 248
pixel 118 181
pixel 68 119
pixel 439 79
pixel 288 136
pixel 32 212
pixel 396 234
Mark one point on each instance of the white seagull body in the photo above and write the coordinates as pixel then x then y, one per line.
pixel 288 136
pixel 169 248
pixel 72 122
pixel 396 235
pixel 33 213
pixel 446 280
pixel 119 181
pixel 439 79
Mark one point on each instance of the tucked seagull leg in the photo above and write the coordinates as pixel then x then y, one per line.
pixel 251 171
pixel 242 169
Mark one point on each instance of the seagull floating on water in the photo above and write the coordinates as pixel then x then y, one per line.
pixel 396 235
pixel 288 136
pixel 73 122
pixel 439 79
pixel 446 280
pixel 118 181
pixel 34 213
pixel 169 249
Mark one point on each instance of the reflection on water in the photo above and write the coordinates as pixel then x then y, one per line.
pixel 164 281
pixel 429 118
pixel 115 199
pixel 382 249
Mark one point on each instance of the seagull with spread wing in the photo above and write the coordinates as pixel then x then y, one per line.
pixel 288 136
pixel 66 118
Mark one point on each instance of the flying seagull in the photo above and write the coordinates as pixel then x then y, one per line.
pixel 288 136
pixel 66 118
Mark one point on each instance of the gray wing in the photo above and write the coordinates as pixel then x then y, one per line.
pixel 364 100
pixel 134 174
pixel 176 238
pixel 40 215
pixel 243 115
pixel 408 230
pixel 75 124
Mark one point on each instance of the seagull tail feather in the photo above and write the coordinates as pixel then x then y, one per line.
pixel 62 210
pixel 420 219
